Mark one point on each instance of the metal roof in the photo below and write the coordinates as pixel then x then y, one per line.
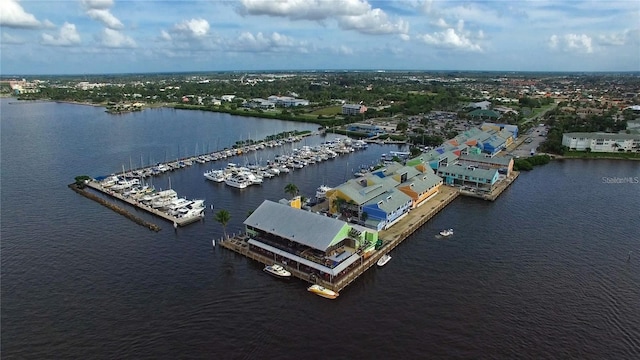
pixel 300 226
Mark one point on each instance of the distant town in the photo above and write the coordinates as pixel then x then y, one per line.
pixel 579 115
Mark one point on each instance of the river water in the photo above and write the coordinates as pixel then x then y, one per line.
pixel 543 272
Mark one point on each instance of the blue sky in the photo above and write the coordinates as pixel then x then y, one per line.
pixel 118 36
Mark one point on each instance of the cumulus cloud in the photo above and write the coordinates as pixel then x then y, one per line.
pixel 451 38
pixel 194 28
pixel 571 42
pixel 115 39
pixel 106 18
pixel 373 22
pixel 99 10
pixel 355 15
pixel 67 36
pixel 14 16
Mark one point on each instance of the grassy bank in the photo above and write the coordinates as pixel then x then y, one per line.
pixel 599 155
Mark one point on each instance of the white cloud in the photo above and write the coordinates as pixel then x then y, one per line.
pixel 627 37
pixel 99 10
pixel 67 36
pixel 264 43
pixel 355 15
pixel 304 9
pixel 97 4
pixel 165 35
pixel 571 42
pixel 441 23
pixel 194 28
pixel 13 15
pixel 375 22
pixel 115 39
pixel 106 18
pixel 10 39
pixel 451 38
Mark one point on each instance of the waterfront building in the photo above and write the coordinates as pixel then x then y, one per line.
pixel 353 109
pixel 470 175
pixel 383 197
pixel 504 164
pixel 601 142
pixel 369 129
pixel 306 241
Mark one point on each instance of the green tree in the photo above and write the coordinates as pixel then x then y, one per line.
pixel 291 189
pixel 223 217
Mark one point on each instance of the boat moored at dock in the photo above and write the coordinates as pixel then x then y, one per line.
pixel 323 291
pixel 277 271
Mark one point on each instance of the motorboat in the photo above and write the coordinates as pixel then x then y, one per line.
pixel 384 260
pixel 323 291
pixel 446 232
pixel 277 271
pixel 321 192
pixel 239 180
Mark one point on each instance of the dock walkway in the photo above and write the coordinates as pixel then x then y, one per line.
pixel 175 220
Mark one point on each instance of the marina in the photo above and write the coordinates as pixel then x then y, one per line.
pixel 128 186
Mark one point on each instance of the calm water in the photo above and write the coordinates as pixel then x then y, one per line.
pixel 541 273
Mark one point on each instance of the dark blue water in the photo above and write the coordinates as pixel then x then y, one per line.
pixel 540 273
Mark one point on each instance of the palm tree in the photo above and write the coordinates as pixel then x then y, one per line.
pixel 291 189
pixel 223 217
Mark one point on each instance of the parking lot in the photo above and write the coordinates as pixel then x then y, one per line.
pixel 537 136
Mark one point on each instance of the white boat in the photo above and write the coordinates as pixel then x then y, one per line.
pixel 277 271
pixel 215 175
pixel 240 181
pixel 189 212
pixel 125 184
pixel 321 191
pixel 384 260
pixel 323 291
pixel 446 232
pixel 163 198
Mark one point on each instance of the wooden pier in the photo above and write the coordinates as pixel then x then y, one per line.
pixel 175 220
pixel 391 238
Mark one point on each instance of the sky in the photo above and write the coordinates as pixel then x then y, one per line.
pixel 143 36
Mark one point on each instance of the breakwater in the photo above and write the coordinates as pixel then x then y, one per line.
pixel 114 207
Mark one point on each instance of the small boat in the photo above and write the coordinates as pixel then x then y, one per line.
pixel 446 232
pixel 277 271
pixel 384 260
pixel 323 291
pixel 321 192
